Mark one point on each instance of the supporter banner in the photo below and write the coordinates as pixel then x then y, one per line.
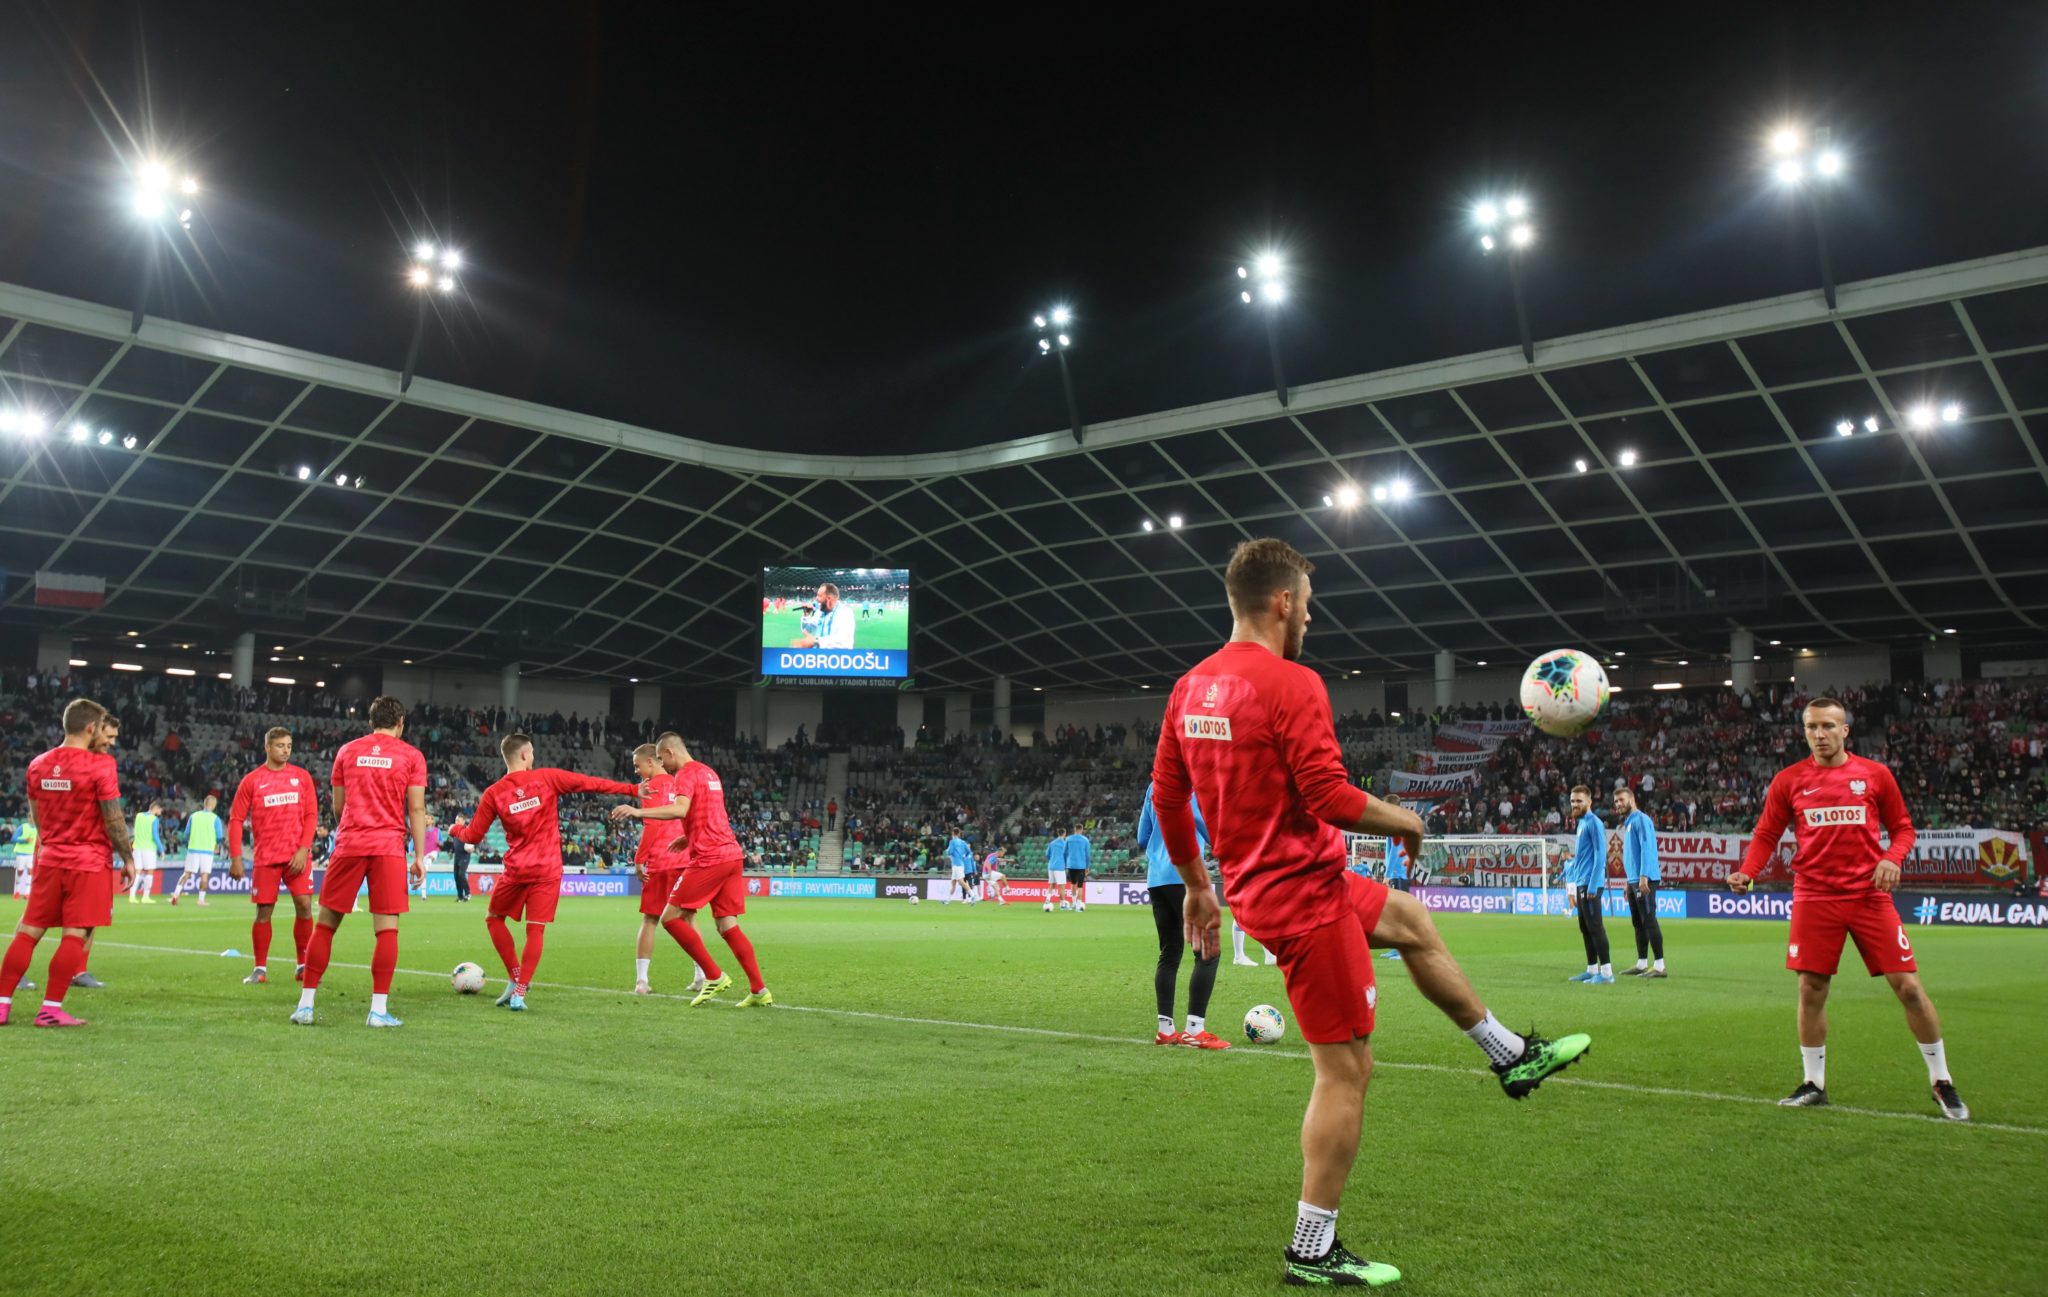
pixel 1429 763
pixel 1439 785
pixel 1466 738
pixel 1964 857
pixel 1705 858
pixel 1493 862
pixel 1498 729
pixel 1922 908
pixel 862 888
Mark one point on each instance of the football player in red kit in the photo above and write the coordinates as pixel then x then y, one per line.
pixel 525 801
pixel 74 801
pixel 1842 880
pixel 279 801
pixel 658 867
pixel 713 870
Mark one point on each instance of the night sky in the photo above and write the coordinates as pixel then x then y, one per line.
pixel 775 233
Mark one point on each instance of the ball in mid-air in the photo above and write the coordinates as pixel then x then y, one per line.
pixel 467 978
pixel 1564 691
pixel 1263 1024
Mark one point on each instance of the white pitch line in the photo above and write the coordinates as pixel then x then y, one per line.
pixel 1655 1091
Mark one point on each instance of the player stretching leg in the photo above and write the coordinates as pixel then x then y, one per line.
pixel 713 871
pixel 527 802
pixel 1077 870
pixel 379 791
pixel 278 800
pixel 655 865
pixel 1249 732
pixel 74 806
pixel 1639 866
pixel 992 874
pixel 1841 888
pixel 1055 870
pixel 1169 904
pixel 1585 886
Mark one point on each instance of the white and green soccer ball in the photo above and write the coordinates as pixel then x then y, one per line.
pixel 1564 691
pixel 1263 1024
pixel 467 978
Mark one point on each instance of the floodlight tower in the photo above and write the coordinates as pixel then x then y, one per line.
pixel 156 196
pixel 432 270
pixel 1264 289
pixel 1505 227
pixel 1807 164
pixel 1055 337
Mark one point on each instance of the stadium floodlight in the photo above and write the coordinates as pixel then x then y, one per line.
pixel 151 197
pixel 1328 503
pixel 341 479
pixel 1400 488
pixel 1627 459
pixel 1870 424
pixel 106 437
pixel 1145 525
pixel 1379 494
pixel 1920 418
pixel 1951 412
pixel 451 260
pixel 79 432
pixel 1948 630
pixel 1845 428
pixel 1793 155
pixel 1174 521
pixel 1776 642
pixel 304 473
pixel 128 442
pixel 1347 495
pixel 1267 275
pixel 1058 343
pixel 1580 465
pixel 1487 214
pixel 421 274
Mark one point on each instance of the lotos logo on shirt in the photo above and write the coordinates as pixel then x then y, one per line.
pixel 56 785
pixel 1207 727
pixel 527 804
pixel 1820 817
pixel 375 763
pixel 281 799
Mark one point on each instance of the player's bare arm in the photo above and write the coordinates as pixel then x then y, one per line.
pixel 336 796
pixel 416 820
pixel 1384 819
pixel 675 810
pixel 116 822
pixel 1887 878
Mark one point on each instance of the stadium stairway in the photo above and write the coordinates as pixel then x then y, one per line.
pixel 832 844
pixel 832 852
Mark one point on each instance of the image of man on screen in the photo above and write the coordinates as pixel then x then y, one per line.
pixel 825 625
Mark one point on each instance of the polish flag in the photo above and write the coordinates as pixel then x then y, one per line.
pixel 70 590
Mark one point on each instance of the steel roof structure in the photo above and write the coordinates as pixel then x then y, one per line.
pixel 472 529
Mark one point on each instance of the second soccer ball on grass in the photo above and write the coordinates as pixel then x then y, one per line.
pixel 1263 1024
pixel 467 978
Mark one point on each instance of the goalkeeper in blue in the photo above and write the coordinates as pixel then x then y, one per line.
pixel 1639 868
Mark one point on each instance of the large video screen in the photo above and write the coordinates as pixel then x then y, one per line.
pixel 845 623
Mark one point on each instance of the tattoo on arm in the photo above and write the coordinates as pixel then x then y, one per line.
pixel 117 827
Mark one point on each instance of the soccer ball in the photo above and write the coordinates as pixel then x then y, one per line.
pixel 467 978
pixel 1564 692
pixel 1263 1024
pixel 913 900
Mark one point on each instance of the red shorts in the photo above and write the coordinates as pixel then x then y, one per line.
pixel 722 886
pixel 1329 970
pixel 1819 925
pixel 267 879
pixel 533 901
pixel 70 898
pixel 346 874
pixel 654 893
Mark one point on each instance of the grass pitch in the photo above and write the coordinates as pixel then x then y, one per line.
pixel 955 1101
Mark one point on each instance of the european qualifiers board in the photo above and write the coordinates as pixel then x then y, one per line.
pixel 835 625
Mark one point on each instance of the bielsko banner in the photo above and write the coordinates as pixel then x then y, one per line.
pixel 1939 858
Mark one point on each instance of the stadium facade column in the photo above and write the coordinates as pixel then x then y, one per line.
pixel 508 687
pixel 959 713
pixel 53 652
pixel 909 715
pixel 243 666
pixel 1742 661
pixel 1446 676
pixel 1943 661
pixel 1001 691
pixel 757 714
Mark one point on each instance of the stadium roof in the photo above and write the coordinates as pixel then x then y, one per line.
pixel 474 529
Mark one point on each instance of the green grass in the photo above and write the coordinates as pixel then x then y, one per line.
pixel 191 1142
pixel 887 629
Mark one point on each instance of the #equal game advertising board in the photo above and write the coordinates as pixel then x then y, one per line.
pixel 827 624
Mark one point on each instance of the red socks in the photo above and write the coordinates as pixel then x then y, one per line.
pixel 302 932
pixel 259 937
pixel 743 950
pixel 318 951
pixel 384 962
pixel 501 941
pixel 64 965
pixel 536 934
pixel 15 966
pixel 692 942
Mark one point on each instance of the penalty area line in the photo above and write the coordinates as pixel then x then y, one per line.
pixel 1583 1083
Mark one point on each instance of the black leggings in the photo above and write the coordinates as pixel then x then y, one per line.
pixel 462 876
pixel 1642 912
pixel 1169 916
pixel 1593 926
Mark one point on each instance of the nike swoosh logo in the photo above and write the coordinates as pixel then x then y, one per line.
pixel 1809 792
